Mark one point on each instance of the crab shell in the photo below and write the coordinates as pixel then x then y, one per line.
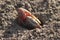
pixel 27 19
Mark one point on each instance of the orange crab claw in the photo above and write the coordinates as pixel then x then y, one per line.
pixel 27 19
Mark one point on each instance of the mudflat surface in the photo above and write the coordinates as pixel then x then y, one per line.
pixel 48 11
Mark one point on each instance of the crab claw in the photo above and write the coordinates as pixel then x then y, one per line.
pixel 27 19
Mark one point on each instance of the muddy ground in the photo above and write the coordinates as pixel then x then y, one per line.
pixel 48 11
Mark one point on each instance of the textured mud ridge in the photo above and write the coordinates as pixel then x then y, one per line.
pixel 48 11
